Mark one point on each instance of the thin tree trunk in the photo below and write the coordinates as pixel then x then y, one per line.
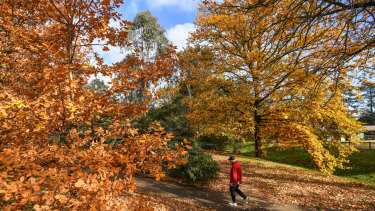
pixel 70 51
pixel 189 90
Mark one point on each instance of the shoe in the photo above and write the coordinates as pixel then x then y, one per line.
pixel 232 204
pixel 247 200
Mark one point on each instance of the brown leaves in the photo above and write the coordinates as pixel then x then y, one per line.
pixel 64 146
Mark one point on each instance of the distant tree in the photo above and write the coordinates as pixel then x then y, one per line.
pixel 351 100
pixel 97 85
pixel 368 95
pixel 147 36
pixel 367 117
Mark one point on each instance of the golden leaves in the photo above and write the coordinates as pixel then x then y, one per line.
pixel 267 75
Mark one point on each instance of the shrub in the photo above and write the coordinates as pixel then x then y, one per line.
pixel 199 169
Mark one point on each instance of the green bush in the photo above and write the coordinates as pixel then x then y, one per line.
pixel 199 169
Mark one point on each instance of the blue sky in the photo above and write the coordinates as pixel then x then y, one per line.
pixel 176 16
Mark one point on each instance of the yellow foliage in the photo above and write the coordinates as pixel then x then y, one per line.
pixel 267 75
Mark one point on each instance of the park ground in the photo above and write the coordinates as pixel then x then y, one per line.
pixel 284 180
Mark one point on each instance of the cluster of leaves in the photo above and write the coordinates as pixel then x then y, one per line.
pixel 44 68
pixel 275 71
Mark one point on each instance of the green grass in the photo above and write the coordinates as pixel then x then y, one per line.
pixel 362 163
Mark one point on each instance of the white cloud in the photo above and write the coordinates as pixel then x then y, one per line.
pixel 179 33
pixel 187 5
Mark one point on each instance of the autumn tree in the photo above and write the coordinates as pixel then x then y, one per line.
pixel 274 71
pixel 45 54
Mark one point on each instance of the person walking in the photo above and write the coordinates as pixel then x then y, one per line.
pixel 235 181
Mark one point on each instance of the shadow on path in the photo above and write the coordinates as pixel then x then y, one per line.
pixel 210 199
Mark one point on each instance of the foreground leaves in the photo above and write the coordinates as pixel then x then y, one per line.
pixel 64 146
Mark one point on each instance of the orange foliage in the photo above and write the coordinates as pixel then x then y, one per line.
pixel 56 152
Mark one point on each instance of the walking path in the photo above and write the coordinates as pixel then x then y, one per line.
pixel 210 199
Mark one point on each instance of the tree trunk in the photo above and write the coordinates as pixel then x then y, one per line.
pixel 257 135
pixel 189 91
pixel 70 59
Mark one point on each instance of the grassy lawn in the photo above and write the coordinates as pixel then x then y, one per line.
pixel 362 163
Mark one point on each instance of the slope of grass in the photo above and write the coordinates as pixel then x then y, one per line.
pixel 362 163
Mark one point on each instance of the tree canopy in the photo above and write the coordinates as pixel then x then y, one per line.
pixel 274 71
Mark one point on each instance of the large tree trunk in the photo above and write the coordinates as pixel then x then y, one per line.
pixel 257 135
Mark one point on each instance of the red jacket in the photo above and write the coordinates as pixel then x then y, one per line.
pixel 235 173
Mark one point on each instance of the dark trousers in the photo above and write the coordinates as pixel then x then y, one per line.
pixel 233 190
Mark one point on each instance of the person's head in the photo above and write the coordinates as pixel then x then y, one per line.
pixel 232 159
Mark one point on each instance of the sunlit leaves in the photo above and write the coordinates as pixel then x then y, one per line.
pixel 269 72
pixel 64 146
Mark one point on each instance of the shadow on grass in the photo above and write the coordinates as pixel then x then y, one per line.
pixel 362 163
